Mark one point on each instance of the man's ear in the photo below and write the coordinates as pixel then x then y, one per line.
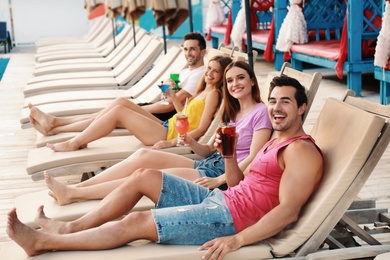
pixel 203 52
pixel 302 109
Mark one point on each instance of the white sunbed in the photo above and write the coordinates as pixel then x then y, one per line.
pixel 129 71
pixel 353 136
pixel 118 58
pixel 99 52
pixel 91 101
pixel 125 34
pixel 94 30
pixel 159 67
pixel 113 59
pixel 103 36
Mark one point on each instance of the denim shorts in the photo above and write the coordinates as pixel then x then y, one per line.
pixel 165 124
pixel 189 214
pixel 213 166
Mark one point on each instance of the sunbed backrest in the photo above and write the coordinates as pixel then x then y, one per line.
pixel 346 136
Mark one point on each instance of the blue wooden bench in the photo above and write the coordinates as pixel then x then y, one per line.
pixel 326 19
pixel 217 33
pixel 383 75
pixel 261 39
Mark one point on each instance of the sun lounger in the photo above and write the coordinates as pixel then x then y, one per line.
pixel 100 52
pixel 130 70
pixel 145 90
pixel 152 77
pixel 104 35
pixel 108 66
pixel 93 31
pixel 117 148
pixel 353 134
pixel 125 34
pixel 65 213
pixel 113 58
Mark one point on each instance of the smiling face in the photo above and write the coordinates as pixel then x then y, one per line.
pixel 239 83
pixel 193 53
pixel 213 73
pixel 283 109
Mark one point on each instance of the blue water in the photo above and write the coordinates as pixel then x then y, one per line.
pixel 3 66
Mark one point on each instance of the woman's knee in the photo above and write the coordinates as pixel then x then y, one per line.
pixel 120 112
pixel 121 101
pixel 143 153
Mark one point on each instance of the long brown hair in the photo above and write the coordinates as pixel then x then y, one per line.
pixel 231 106
pixel 223 61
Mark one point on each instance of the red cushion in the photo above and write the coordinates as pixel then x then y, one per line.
pixel 259 36
pixel 218 29
pixel 329 49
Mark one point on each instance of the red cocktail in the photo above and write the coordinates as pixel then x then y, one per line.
pixel 182 126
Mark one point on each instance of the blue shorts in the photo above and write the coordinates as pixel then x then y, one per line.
pixel 213 166
pixel 189 214
pixel 165 124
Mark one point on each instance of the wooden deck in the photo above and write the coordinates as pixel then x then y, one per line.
pixel 15 142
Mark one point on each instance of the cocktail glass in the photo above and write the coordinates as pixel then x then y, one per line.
pixel 164 88
pixel 175 77
pixel 182 126
pixel 227 132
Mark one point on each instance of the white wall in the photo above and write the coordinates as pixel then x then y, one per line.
pixel 33 19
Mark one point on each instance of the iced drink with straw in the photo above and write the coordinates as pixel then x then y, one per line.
pixel 182 125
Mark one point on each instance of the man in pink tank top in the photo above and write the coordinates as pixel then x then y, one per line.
pixel 260 201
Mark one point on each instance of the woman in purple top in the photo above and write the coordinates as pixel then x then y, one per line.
pixel 242 105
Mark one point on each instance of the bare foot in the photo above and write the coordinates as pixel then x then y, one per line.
pixel 46 121
pixel 58 190
pixel 50 225
pixel 38 127
pixel 66 146
pixel 27 238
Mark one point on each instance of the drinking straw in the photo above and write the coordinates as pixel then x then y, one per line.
pixel 185 107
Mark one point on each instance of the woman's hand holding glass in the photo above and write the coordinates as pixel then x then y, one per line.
pixel 163 144
pixel 166 89
pixel 185 139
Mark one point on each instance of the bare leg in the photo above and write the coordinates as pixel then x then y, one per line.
pixel 65 194
pixel 78 126
pixel 137 225
pixel 152 159
pixel 45 123
pixel 102 184
pixel 51 125
pixel 143 182
pixel 148 131
pixel 130 105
